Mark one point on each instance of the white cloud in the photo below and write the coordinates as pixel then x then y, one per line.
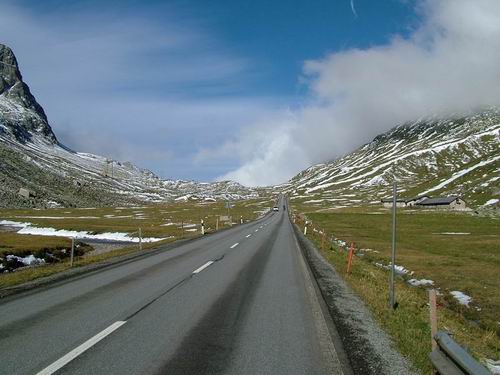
pixel 447 66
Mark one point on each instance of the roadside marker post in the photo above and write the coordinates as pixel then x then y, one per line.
pixel 182 227
pixel 323 241
pixel 217 224
pixel 202 228
pixel 140 239
pixel 72 252
pixel 433 316
pixel 241 219
pixel 305 228
pixel 349 259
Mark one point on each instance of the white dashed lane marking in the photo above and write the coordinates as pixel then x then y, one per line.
pixel 198 270
pixel 63 361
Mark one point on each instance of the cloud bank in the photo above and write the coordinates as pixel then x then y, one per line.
pixel 450 64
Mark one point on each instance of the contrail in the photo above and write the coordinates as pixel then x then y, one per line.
pixel 353 9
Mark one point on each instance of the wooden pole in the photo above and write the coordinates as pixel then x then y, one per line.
pixel 433 316
pixel 140 239
pixel 323 241
pixel 217 224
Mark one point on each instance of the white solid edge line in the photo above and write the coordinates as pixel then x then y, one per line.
pixel 248 235
pixel 236 244
pixel 61 362
pixel 198 270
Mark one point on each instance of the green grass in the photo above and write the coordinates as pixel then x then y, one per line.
pixel 469 263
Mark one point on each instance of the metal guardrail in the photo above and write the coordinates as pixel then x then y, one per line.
pixel 449 358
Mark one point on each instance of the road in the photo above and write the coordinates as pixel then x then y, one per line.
pixel 240 301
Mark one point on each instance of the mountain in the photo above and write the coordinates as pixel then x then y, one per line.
pixel 438 157
pixel 32 158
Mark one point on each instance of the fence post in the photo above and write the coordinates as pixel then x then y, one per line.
pixel 72 252
pixel 140 239
pixel 433 316
pixel 323 241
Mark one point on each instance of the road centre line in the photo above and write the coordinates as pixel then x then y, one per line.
pixel 80 349
pixel 256 230
pixel 236 244
pixel 248 235
pixel 199 269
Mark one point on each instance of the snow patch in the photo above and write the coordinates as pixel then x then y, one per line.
pixel 461 297
pixel 29 260
pixel 491 202
pixel 27 228
pixel 454 233
pixel 421 282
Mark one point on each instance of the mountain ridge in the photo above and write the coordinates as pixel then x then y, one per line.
pixel 439 156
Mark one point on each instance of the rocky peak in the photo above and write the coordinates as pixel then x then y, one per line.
pixel 20 113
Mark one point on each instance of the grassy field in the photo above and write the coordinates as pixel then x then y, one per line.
pixel 428 244
pixel 159 221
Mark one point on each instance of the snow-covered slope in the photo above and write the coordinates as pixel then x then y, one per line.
pixel 32 158
pixel 437 157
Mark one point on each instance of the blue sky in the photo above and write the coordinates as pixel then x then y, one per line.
pixel 204 90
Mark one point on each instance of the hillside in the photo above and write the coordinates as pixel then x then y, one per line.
pixel 458 156
pixel 32 158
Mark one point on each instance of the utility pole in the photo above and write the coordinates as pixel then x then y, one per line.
pixel 392 291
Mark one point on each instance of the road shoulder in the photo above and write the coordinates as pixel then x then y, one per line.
pixel 368 348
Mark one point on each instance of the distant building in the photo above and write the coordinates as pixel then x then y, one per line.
pixel 450 203
pixel 410 202
pixel 404 202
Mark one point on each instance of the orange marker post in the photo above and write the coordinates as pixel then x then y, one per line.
pixel 349 259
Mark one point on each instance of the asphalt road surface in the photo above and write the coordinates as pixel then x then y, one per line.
pixel 240 301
